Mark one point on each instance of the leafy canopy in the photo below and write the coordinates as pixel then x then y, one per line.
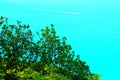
pixel 49 57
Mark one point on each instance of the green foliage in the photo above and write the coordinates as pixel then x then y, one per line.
pixel 94 77
pixel 28 73
pixel 48 58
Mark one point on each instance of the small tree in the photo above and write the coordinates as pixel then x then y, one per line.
pixel 56 52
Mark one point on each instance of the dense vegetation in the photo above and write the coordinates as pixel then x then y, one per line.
pixel 47 57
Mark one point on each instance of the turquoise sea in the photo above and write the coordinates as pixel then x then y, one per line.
pixel 91 27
